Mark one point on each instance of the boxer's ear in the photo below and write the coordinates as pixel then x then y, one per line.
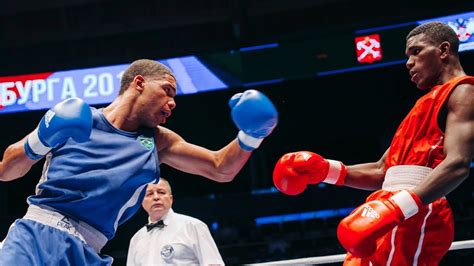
pixel 139 82
pixel 444 47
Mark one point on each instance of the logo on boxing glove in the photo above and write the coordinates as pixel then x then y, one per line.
pixel 370 213
pixel 48 117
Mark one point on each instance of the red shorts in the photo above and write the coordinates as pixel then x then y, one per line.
pixel 421 240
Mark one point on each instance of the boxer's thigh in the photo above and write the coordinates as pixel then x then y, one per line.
pixel 32 243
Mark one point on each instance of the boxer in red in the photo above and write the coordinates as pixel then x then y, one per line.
pixel 407 221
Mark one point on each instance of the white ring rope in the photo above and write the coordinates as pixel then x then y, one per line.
pixel 465 244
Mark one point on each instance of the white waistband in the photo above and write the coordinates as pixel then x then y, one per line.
pixel 404 177
pixel 81 230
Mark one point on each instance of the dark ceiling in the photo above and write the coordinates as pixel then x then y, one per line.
pixel 39 36
pixel 55 35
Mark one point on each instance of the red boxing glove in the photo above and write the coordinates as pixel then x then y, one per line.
pixel 294 171
pixel 359 231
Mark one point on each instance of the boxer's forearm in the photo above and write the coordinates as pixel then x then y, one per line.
pixel 221 166
pixel 229 161
pixel 445 178
pixel 15 163
pixel 367 176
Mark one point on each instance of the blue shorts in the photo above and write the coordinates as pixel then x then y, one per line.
pixel 32 243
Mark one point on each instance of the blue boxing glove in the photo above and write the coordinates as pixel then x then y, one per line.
pixel 69 118
pixel 255 115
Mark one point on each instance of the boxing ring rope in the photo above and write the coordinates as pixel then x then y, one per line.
pixel 465 244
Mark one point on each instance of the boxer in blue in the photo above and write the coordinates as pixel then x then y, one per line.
pixel 98 162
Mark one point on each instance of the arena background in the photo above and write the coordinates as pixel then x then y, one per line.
pixel 349 116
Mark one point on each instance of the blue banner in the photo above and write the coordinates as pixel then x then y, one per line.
pixel 98 85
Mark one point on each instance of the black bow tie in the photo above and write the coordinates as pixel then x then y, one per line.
pixel 158 224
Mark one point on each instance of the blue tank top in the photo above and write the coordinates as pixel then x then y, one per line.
pixel 101 181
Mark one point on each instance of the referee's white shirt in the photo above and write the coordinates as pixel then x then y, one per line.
pixel 183 240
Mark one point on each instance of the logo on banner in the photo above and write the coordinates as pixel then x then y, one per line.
pixel 464 28
pixel 368 48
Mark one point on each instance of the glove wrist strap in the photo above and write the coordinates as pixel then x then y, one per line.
pixel 248 142
pixel 34 148
pixel 408 203
pixel 336 174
